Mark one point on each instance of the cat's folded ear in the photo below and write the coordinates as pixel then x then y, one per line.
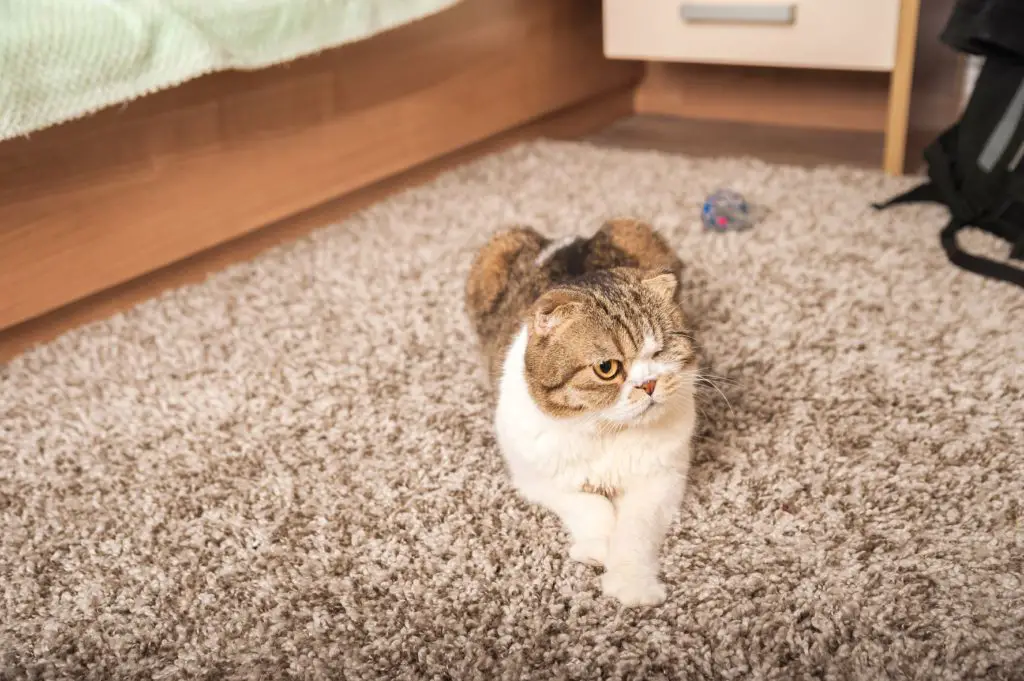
pixel 662 283
pixel 553 309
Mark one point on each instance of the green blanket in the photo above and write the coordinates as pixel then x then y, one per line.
pixel 62 59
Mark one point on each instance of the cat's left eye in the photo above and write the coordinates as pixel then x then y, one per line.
pixel 608 369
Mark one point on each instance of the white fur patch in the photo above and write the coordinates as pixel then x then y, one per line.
pixel 645 367
pixel 551 460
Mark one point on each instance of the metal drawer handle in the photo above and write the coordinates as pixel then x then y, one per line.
pixel 704 12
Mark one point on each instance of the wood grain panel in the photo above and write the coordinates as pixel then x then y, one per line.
pixel 829 100
pixel 775 144
pixel 97 202
pixel 575 122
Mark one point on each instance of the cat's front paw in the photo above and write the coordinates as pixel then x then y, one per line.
pixel 590 551
pixel 633 589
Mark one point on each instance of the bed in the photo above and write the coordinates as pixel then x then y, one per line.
pixel 63 59
pixel 137 133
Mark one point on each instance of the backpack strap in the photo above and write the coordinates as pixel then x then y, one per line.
pixel 928 192
pixel 942 185
pixel 1017 252
pixel 1013 215
pixel 983 266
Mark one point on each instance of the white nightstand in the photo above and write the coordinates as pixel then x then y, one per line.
pixel 830 35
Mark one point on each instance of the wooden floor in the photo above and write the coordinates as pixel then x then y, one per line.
pixel 604 121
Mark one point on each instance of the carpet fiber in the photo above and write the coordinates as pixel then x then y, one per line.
pixel 289 470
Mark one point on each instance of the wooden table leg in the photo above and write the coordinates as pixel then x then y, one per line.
pixel 900 83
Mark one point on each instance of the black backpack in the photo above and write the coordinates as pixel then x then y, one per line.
pixel 976 167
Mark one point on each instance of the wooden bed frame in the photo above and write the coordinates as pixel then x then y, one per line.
pixel 96 202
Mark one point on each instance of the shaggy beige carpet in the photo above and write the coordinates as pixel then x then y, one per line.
pixel 289 472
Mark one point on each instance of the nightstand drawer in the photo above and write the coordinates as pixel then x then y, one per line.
pixel 829 34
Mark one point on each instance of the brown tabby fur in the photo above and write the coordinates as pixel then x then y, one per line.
pixel 604 315
pixel 603 274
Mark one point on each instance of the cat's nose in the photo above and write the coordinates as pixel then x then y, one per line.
pixel 648 386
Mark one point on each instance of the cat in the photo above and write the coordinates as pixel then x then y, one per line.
pixel 595 369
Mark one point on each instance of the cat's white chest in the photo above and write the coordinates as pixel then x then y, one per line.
pixel 541 449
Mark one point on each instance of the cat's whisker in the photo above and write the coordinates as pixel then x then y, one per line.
pixel 705 370
pixel 703 413
pixel 722 379
pixel 704 380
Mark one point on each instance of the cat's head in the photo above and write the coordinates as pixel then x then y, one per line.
pixel 611 347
